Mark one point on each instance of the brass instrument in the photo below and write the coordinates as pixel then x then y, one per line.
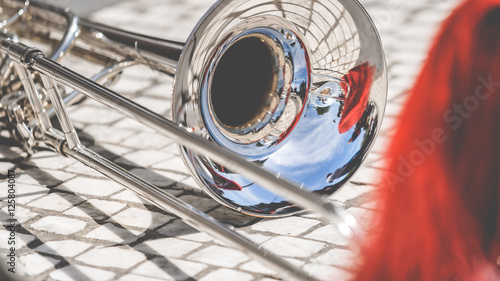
pixel 266 105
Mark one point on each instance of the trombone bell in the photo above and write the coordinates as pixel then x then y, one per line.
pixel 298 91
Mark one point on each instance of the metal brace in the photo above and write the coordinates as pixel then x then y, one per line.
pixel 41 129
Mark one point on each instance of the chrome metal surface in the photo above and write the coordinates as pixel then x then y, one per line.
pixel 158 53
pixel 301 134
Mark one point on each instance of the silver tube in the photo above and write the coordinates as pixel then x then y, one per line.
pixel 159 53
pixel 76 96
pixel 71 31
pixel 16 16
pixel 32 94
pixel 58 103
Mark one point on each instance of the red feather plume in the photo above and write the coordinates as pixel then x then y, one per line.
pixel 439 199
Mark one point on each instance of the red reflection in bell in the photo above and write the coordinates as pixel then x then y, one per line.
pixel 221 182
pixel 357 86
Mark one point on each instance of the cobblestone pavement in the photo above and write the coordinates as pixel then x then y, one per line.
pixel 77 225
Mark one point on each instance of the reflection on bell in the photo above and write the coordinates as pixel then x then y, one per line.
pixel 356 84
pixel 317 114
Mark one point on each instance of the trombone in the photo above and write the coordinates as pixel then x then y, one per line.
pixel 252 85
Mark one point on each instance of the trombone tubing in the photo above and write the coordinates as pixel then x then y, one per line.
pixel 232 161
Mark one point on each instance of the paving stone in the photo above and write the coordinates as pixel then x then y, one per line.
pixel 199 202
pixel 257 267
pixel 65 248
pixel 147 140
pixel 295 262
pixel 188 183
pixel 161 88
pixel 34 264
pixel 181 230
pixel 351 191
pixel 227 275
pixel 219 256
pixel 91 214
pixel 129 196
pixel 144 158
pixel 255 237
pixel 90 186
pixel 336 257
pixel 21 239
pixel 8 152
pixel 158 178
pixel 329 234
pixel 95 114
pixel 173 164
pixel 285 226
pixel 231 217
pixel 26 193
pixel 363 216
pixel 111 257
pixel 169 247
pixel 81 273
pixel 82 170
pixel 174 176
pixel 154 104
pixel 21 214
pixel 366 175
pixel 96 209
pixel 49 160
pixel 106 135
pixel 293 247
pixel 6 166
pixel 324 272
pixel 109 232
pixel 140 218
pixel 314 215
pixel 169 269
pixel 40 176
pixel 59 225
pixel 56 202
pixel 111 150
pixel 129 125
pixel 135 277
pixel 174 149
